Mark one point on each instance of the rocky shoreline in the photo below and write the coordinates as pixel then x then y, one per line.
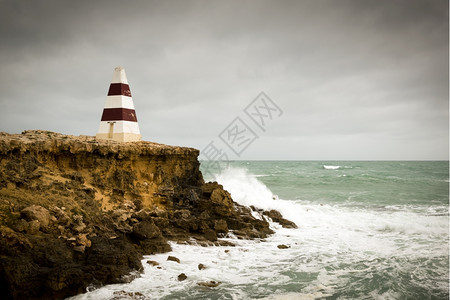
pixel 78 212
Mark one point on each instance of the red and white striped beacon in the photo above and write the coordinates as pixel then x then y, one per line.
pixel 119 121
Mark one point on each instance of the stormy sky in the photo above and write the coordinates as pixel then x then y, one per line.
pixel 355 80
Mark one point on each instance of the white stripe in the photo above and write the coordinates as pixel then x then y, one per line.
pixel 119 76
pixel 119 101
pixel 119 127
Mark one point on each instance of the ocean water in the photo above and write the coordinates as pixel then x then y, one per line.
pixel 366 230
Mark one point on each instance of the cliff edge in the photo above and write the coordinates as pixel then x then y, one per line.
pixel 78 212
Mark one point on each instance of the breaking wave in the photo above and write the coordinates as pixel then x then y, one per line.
pixel 329 167
pixel 349 251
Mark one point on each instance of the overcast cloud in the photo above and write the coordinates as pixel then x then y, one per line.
pixel 355 79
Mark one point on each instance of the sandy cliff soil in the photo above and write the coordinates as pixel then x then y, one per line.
pixel 77 211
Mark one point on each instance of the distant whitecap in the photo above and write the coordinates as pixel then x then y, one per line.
pixel 331 167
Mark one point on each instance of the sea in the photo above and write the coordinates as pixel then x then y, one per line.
pixel 366 230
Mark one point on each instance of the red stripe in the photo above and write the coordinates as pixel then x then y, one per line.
pixel 119 114
pixel 117 89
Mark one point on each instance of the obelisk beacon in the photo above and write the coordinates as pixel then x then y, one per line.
pixel 119 121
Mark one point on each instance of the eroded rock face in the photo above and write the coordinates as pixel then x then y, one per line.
pixel 76 211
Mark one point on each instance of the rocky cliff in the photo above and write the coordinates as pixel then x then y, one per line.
pixel 78 212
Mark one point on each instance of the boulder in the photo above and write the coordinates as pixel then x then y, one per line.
pixel 173 258
pixel 153 263
pixel 183 219
pixel 61 216
pixel 78 224
pixel 221 226
pixel 211 283
pixel 80 227
pixel 146 230
pixel 211 235
pixel 201 266
pixel 37 212
pixel 276 216
pixel 182 277
pixel 156 245
pixel 282 246
pixel 33 227
pixel 208 188
pixel 203 226
pixel 21 225
pixel 223 202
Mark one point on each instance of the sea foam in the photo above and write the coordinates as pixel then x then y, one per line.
pixel 246 189
pixel 336 250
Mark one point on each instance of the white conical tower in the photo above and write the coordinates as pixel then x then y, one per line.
pixel 119 121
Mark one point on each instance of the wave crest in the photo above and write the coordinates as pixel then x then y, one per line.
pixel 329 167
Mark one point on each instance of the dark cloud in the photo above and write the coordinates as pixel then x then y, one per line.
pixel 356 79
